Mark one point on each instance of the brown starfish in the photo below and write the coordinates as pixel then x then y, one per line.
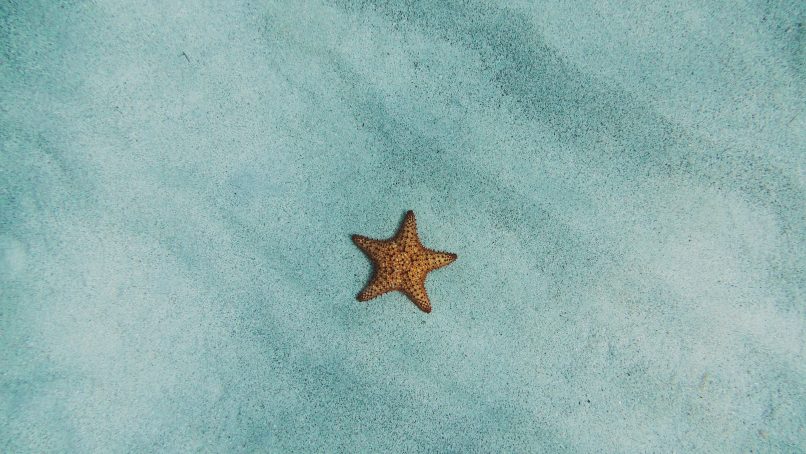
pixel 401 263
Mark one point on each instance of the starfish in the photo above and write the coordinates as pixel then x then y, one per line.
pixel 401 263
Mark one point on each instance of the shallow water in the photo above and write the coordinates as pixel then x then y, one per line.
pixel 623 183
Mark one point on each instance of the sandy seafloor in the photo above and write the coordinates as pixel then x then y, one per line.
pixel 623 183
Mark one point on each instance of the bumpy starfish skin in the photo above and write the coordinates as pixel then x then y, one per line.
pixel 401 263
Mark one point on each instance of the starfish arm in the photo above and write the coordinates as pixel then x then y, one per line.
pixel 417 294
pixel 375 249
pixel 379 285
pixel 432 260
pixel 407 234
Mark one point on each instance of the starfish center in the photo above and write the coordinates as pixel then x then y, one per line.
pixel 402 260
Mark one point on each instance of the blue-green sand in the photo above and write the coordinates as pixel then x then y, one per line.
pixel 624 183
